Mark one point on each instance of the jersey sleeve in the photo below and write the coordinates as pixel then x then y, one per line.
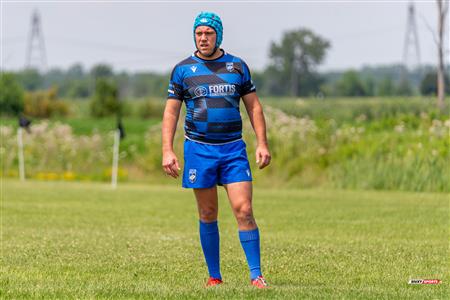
pixel 247 85
pixel 175 90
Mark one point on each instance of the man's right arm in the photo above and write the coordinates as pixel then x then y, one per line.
pixel 169 126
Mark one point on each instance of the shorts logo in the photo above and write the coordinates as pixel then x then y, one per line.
pixel 192 175
pixel 230 67
pixel 200 91
pixel 248 172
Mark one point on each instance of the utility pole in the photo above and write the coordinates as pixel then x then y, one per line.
pixel 35 56
pixel 442 13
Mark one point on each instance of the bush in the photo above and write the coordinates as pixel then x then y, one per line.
pixel 44 104
pixel 151 109
pixel 106 99
pixel 11 96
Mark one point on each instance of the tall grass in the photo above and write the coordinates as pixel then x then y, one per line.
pixel 363 144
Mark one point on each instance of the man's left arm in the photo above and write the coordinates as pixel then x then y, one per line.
pixel 256 115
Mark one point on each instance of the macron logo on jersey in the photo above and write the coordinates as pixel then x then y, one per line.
pixel 222 89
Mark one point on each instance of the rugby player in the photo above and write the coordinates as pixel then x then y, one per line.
pixel 211 83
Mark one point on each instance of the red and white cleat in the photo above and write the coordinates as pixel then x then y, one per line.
pixel 213 281
pixel 260 282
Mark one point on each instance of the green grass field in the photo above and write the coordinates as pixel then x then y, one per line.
pixel 83 240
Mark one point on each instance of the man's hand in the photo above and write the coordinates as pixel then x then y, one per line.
pixel 262 156
pixel 170 164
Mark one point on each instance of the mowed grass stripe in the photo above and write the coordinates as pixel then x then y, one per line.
pixel 83 240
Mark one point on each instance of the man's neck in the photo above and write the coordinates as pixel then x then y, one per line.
pixel 216 54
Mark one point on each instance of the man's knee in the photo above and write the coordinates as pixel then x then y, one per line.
pixel 244 214
pixel 208 213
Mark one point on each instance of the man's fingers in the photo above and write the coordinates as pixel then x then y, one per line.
pixel 174 167
pixel 258 157
pixel 174 170
pixel 168 171
pixel 265 161
pixel 171 169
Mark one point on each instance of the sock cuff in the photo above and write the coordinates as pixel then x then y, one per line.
pixel 211 227
pixel 249 235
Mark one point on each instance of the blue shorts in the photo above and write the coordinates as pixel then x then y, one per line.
pixel 206 165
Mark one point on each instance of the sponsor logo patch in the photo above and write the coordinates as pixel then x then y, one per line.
pixel 192 175
pixel 222 89
pixel 200 91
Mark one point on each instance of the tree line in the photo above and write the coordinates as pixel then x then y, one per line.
pixel 292 71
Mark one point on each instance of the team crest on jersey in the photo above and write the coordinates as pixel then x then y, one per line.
pixel 230 67
pixel 192 175
pixel 194 68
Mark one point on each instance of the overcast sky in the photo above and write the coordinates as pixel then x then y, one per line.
pixel 154 36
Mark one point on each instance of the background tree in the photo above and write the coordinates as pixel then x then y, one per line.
pixel 30 79
pixel 428 86
pixel 404 88
pixel 106 99
pixel 294 61
pixel 101 71
pixel 11 95
pixel 386 87
pixel 350 85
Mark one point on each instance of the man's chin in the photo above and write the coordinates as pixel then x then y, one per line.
pixel 206 52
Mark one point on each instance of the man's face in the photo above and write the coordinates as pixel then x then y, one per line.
pixel 205 39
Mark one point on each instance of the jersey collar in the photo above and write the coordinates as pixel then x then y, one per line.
pixel 201 59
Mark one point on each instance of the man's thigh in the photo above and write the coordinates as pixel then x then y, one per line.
pixel 239 194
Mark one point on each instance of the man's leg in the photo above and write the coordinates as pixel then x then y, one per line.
pixel 209 232
pixel 240 196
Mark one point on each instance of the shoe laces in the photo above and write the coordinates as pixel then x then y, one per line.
pixel 261 280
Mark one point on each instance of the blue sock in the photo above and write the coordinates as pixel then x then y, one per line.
pixel 250 243
pixel 209 238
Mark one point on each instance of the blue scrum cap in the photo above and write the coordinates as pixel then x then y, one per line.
pixel 211 20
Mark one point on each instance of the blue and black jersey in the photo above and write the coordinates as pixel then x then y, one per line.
pixel 211 90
